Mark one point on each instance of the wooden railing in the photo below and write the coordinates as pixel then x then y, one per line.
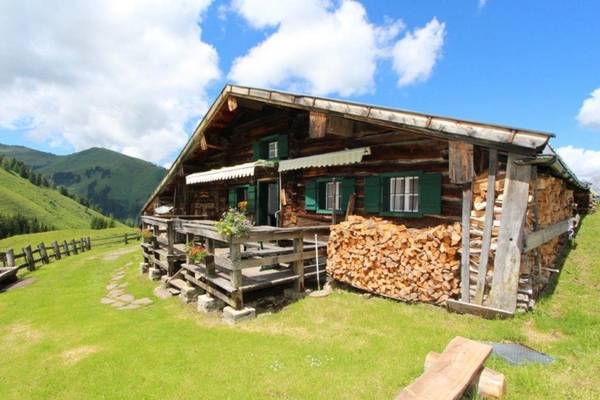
pixel 232 265
pixel 31 256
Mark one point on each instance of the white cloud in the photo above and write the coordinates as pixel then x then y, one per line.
pixel 317 46
pixel 585 163
pixel 589 114
pixel 415 55
pixel 126 75
pixel 482 3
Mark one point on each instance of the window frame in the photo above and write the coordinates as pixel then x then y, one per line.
pixel 321 186
pixel 386 179
pixel 402 193
pixel 275 144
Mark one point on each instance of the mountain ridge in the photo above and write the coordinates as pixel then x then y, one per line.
pixel 118 184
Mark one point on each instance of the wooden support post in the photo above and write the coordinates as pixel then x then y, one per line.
pixel 29 258
pixel 56 250
pixel 66 246
pixel 507 261
pixel 210 258
pixel 89 243
pixel 10 258
pixel 466 245
pixel 298 266
pixel 43 253
pixel 74 245
pixel 487 226
pixel 235 254
pixel 170 237
pixel 82 245
pixel 125 239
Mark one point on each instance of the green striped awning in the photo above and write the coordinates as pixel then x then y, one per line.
pixel 344 157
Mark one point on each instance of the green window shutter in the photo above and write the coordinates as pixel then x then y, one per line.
pixel 282 146
pixel 431 193
pixel 385 194
pixel 310 196
pixel 372 194
pixel 257 152
pixel 347 188
pixel 251 198
pixel 232 198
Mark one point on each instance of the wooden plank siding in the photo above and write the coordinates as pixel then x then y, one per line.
pixel 391 151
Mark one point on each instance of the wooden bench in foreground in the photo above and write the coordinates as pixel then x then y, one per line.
pixel 448 375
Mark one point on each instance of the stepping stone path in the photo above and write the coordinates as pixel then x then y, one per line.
pixel 117 297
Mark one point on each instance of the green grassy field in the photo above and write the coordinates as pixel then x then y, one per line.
pixel 18 195
pixel 57 340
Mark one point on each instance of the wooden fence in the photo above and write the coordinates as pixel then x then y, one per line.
pixel 31 256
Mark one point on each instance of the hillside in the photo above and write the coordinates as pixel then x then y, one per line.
pixel 19 196
pixel 117 183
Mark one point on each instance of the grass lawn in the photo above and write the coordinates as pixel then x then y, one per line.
pixel 58 341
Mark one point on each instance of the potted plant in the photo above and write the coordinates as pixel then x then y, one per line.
pixel 196 253
pixel 146 235
pixel 233 224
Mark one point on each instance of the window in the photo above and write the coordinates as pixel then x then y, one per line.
pixel 273 150
pixel 404 194
pixel 333 195
pixel 273 147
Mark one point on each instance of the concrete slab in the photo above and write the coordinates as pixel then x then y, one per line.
pixel 207 303
pixel 188 294
pixel 144 301
pixel 127 298
pixel 107 300
pixel 129 307
pixel 162 293
pixel 144 268
pixel 116 293
pixel 154 273
pixel 233 316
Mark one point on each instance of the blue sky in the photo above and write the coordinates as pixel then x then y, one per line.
pixel 529 64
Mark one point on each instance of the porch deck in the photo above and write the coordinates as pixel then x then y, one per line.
pixel 266 257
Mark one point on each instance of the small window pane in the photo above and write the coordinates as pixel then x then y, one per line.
pixel 273 150
pixel 332 196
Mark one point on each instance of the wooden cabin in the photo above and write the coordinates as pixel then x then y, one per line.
pixel 300 164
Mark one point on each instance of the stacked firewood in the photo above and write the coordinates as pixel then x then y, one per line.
pixel 553 203
pixel 480 194
pixel 389 259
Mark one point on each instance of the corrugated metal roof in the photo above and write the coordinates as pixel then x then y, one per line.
pixel 343 157
pixel 226 173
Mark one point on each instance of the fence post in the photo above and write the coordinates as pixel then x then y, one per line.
pixel 10 258
pixel 43 253
pixel 89 243
pixel 74 244
pixel 29 258
pixel 125 238
pixel 66 246
pixel 83 246
pixel 56 250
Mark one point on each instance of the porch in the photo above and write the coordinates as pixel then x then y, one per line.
pixel 267 257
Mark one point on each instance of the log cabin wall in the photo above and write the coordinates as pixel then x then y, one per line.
pixel 391 152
